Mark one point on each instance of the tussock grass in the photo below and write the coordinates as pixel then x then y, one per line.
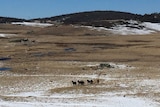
pixel 54 68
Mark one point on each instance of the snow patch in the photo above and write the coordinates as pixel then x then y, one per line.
pixel 91 65
pixel 123 30
pixel 131 28
pixel 90 101
pixel 152 26
pixel 34 24
pixel 7 35
pixel 149 82
pixel 27 94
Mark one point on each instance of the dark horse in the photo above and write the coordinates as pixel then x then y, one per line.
pixel 90 81
pixel 74 83
pixel 81 82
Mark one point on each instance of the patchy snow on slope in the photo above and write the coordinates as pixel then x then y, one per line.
pixel 88 101
pixel 123 30
pixel 26 94
pixel 131 28
pixel 34 24
pixel 150 84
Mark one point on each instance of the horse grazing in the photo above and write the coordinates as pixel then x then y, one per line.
pixel 90 81
pixel 74 82
pixel 98 81
pixel 81 82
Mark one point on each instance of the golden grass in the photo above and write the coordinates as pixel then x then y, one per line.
pixel 47 56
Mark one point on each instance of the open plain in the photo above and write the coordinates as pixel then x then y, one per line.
pixel 38 65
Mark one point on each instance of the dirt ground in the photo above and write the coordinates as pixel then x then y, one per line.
pixel 48 59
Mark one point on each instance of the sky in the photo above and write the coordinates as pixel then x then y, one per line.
pixel 29 9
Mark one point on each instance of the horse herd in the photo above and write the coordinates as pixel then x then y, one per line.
pixel 81 82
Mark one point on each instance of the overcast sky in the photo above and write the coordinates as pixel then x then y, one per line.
pixel 46 8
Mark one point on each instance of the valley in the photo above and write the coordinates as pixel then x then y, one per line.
pixel 43 62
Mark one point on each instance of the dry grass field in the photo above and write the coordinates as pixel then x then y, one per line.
pixel 44 62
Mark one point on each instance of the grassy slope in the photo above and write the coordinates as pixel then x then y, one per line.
pixel 47 56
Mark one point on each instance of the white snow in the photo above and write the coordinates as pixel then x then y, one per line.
pixel 25 104
pixel 88 101
pixel 34 24
pixel 92 64
pixel 77 99
pixel 149 82
pixel 123 30
pixel 150 85
pixel 41 96
pixel 152 26
pixel 7 35
pixel 132 28
pixel 26 94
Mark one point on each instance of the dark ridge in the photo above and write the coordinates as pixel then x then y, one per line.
pixel 9 20
pixel 100 18
pixel 154 17
pixel 93 18
pixel 96 16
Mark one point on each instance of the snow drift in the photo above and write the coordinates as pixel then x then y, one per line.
pixel 7 35
pixel 34 24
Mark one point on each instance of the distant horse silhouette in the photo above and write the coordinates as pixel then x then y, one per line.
pixel 74 82
pixel 81 82
pixel 90 81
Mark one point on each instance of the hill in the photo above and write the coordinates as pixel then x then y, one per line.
pixel 93 18
pixel 100 18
